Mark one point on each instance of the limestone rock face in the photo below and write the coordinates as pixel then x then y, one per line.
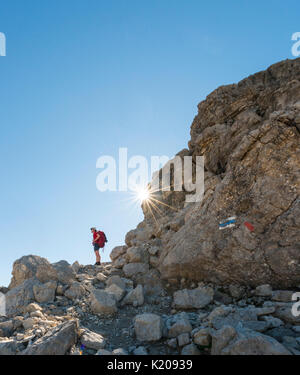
pixel 249 135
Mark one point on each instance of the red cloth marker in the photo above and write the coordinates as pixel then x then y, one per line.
pixel 249 226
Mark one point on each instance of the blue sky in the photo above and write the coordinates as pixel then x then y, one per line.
pixel 84 77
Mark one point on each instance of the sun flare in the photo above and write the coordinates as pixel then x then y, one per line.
pixel 143 195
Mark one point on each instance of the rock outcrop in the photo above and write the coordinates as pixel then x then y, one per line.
pixel 249 136
pixel 181 285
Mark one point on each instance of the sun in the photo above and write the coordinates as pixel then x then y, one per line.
pixel 143 195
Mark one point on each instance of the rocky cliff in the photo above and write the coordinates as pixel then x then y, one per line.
pixel 249 136
pixel 181 285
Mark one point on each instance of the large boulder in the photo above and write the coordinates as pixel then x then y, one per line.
pixel 116 291
pixel 103 302
pixel 31 266
pixel 117 252
pixel 8 347
pixel 120 262
pixel 238 341
pixel 45 293
pixel 247 317
pixel 137 255
pixel 135 297
pixel 57 341
pixel 117 280
pixel 6 328
pixel 19 297
pixel 65 272
pixel 75 291
pixel 134 269
pixel 148 327
pixel 194 298
pixel 285 313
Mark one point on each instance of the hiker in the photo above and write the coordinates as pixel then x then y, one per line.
pixel 99 240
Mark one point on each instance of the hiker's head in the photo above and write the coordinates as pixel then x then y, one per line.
pixel 93 229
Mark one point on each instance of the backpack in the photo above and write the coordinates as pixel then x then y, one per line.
pixel 102 236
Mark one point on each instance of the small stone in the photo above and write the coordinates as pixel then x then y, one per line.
pixel 119 351
pixel 202 337
pixel 33 307
pixel 273 322
pixel 289 341
pixel 153 250
pixel 282 296
pixel 103 352
pixel 236 291
pixel 263 290
pixel 29 323
pixel 75 291
pixel 93 340
pixel 76 266
pixel 172 343
pixel 190 349
pixel 141 350
pixel 180 326
pixel 135 297
pixel 37 314
pixel 18 322
pixel 117 292
pixel 117 280
pixel 183 339
pixel 101 277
